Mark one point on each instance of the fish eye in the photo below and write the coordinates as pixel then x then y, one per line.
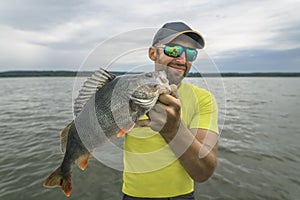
pixel 149 74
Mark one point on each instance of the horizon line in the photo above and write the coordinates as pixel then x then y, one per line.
pixel 68 73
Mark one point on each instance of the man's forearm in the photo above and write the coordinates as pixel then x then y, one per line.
pixel 198 158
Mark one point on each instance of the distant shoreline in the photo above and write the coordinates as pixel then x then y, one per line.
pixel 8 74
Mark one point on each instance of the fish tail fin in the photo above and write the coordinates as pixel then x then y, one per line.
pixel 57 179
pixel 83 161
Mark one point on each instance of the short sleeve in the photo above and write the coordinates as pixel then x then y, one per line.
pixel 200 109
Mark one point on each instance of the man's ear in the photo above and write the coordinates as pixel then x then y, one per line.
pixel 152 53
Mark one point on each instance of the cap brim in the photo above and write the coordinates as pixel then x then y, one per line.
pixel 190 33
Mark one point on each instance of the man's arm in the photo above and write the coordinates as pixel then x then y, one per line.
pixel 195 148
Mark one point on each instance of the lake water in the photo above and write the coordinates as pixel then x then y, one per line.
pixel 259 151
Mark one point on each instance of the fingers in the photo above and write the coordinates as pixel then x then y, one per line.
pixel 157 118
pixel 169 102
pixel 169 98
pixel 168 105
pixel 143 123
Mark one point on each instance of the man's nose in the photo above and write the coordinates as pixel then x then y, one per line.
pixel 181 58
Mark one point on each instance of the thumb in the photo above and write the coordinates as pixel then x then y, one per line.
pixel 143 123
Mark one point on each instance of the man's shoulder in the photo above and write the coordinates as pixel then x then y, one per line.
pixel 186 87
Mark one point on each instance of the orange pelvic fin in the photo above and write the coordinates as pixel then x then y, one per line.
pixel 83 161
pixel 124 130
pixel 56 179
pixel 121 133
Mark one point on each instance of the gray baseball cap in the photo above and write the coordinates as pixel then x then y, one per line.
pixel 170 31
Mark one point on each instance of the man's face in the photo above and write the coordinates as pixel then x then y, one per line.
pixel 176 68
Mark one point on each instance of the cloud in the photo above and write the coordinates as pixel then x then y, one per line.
pixel 38 15
pixel 48 34
pixel 254 24
pixel 275 61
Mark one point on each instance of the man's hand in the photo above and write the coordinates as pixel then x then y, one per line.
pixel 164 117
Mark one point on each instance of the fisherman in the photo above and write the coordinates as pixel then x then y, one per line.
pixel 175 144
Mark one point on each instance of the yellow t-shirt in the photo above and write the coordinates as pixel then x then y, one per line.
pixel 151 170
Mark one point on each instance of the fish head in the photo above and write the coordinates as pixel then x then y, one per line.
pixel 146 90
pixel 136 94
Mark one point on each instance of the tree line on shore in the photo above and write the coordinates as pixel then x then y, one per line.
pixel 88 73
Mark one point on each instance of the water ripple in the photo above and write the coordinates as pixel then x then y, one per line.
pixel 258 149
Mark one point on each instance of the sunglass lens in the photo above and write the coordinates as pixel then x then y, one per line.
pixel 173 51
pixel 191 54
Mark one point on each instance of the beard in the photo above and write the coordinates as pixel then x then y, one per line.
pixel 173 76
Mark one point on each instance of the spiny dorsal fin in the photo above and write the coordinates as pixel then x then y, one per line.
pixel 64 137
pixel 96 81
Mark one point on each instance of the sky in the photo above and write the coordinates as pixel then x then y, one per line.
pixel 240 36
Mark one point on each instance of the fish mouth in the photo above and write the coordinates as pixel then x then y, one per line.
pixel 144 103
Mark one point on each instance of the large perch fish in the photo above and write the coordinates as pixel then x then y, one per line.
pixel 107 105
